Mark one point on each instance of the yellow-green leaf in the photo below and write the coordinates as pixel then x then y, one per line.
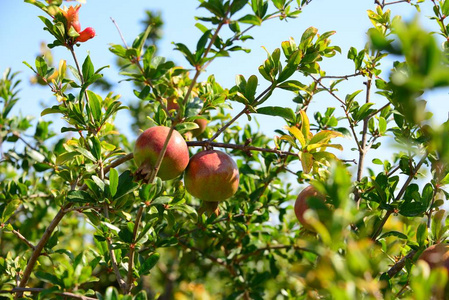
pixel 324 136
pixel 297 134
pixel 306 162
pixel 305 124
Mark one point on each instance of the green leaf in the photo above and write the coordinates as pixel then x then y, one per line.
pixel 86 153
pixel 292 85
pixel 87 69
pixel 190 211
pixel 283 112
pixel 139 42
pixel 412 209
pixel 161 200
pixel 79 197
pixel 113 181
pixel 394 233
pixel 142 295
pixel 421 234
pixel 126 185
pixel 95 102
pixel 9 210
pixel 363 111
pixel 67 156
pixel 111 294
pixel 96 147
pixel 126 232
pixel 149 263
pixel 75 73
pixel 251 19
pixel 41 66
pixel 292 66
pixel 118 50
pixel 186 126
pixel 98 182
pixel 237 5
pixel 47 277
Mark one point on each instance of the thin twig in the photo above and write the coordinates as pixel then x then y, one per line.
pixel 38 290
pixel 23 239
pixel 244 148
pixel 119 32
pixel 396 2
pixel 242 112
pixel 351 125
pixel 363 146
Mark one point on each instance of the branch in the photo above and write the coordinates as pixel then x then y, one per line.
pixel 244 148
pixel 23 239
pixel 243 111
pixel 38 248
pixel 341 76
pixel 351 125
pixel 397 267
pixel 363 146
pixel 38 290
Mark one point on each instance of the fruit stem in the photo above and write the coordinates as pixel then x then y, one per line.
pixel 209 208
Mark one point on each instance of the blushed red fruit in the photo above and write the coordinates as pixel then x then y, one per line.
pixel 212 176
pixel 436 256
pixel 150 143
pixel 301 203
pixel 86 35
pixel 202 124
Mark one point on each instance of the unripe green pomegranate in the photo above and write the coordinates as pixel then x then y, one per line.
pixel 212 176
pixel 148 146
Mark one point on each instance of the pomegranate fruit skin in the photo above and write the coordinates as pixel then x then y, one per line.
pixel 301 203
pixel 202 124
pixel 436 256
pixel 212 176
pixel 150 143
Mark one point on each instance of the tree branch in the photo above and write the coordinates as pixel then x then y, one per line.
pixel 38 248
pixel 38 290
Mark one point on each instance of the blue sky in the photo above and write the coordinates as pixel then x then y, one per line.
pixel 21 33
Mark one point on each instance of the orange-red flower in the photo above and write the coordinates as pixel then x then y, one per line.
pixel 71 15
pixel 72 18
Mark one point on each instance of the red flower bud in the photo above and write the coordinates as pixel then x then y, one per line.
pixel 85 35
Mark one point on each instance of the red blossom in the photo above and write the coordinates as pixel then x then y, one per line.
pixel 71 15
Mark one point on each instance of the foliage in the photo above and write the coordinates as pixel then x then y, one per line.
pixel 99 233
